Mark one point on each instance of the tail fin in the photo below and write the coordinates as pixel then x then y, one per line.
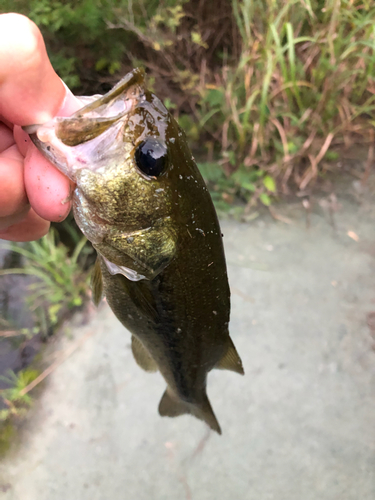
pixel 172 406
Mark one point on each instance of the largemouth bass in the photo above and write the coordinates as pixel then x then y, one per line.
pixel 141 201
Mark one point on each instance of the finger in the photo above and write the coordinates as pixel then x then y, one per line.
pixel 13 194
pixel 48 191
pixel 31 228
pixel 30 90
pixel 6 137
pixel 22 139
pixel 42 178
pixel 14 218
pixel 70 104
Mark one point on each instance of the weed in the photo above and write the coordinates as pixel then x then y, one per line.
pixel 61 283
pixel 294 80
pixel 304 82
pixel 15 401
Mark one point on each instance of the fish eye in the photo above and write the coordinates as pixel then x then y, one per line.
pixel 151 157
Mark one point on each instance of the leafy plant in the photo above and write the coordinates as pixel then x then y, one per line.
pixel 61 283
pixel 304 82
pixel 295 79
pixel 242 185
pixel 15 399
pixel 78 40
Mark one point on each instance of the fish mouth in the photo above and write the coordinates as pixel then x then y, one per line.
pixel 68 141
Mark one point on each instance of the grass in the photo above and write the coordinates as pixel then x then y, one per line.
pixel 60 286
pixel 16 402
pixel 303 84
pixel 61 282
pixel 288 83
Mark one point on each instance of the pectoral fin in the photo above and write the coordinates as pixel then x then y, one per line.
pixel 141 296
pixel 171 406
pixel 142 356
pixel 231 360
pixel 96 283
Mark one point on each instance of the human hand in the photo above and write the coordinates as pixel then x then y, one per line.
pixel 32 191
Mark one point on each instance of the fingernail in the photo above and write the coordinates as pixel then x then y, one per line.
pixel 70 103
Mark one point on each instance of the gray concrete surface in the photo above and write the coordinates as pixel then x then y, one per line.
pixel 299 426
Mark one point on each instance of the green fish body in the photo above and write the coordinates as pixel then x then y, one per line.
pixel 141 201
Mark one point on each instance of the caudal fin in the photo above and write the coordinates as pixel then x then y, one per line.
pixel 171 406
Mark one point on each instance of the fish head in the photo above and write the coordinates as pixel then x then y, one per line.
pixel 125 153
pixel 117 149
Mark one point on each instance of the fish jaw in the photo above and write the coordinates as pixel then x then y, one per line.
pixel 94 133
pixel 93 154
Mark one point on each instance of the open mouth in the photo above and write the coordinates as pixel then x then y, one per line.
pixel 91 133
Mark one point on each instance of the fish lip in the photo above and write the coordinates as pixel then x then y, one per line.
pixel 134 79
pixel 57 160
pixel 87 123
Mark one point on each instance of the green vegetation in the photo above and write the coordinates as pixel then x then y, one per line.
pixel 16 402
pixel 16 399
pixel 265 89
pixel 61 283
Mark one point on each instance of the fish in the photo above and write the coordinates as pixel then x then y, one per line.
pixel 142 202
